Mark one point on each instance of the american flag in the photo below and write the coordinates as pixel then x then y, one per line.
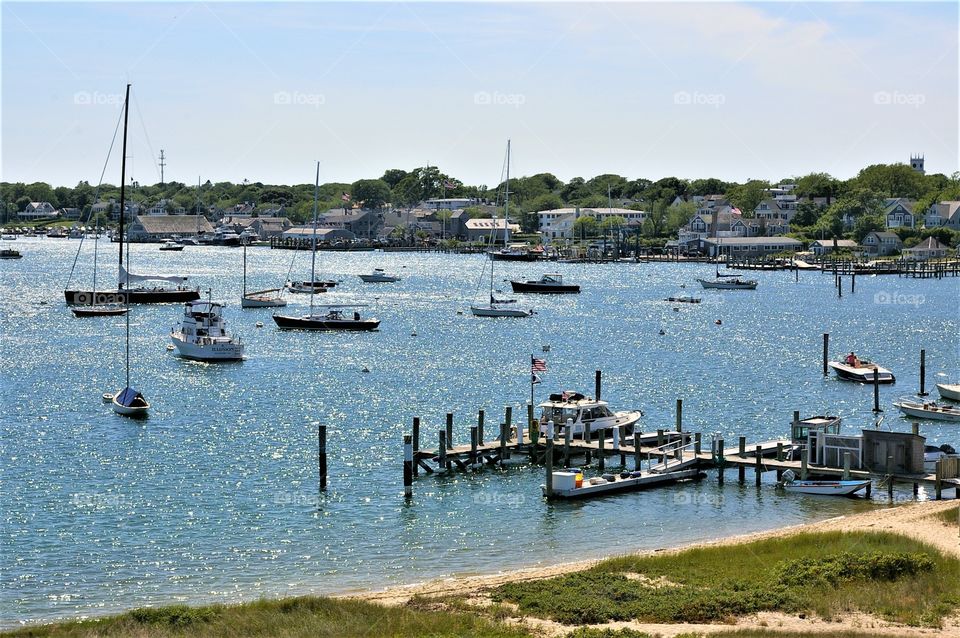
pixel 449 184
pixel 538 365
pixel 345 197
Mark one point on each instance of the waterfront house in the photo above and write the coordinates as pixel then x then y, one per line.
pixel 483 229
pixel 780 211
pixel 946 213
pixel 73 214
pixel 558 223
pixel 166 207
pixel 35 211
pixel 882 243
pixel 826 246
pixel 324 235
pixel 264 227
pixel 162 227
pixel 929 248
pixel 750 246
pixel 898 213
pixel 360 222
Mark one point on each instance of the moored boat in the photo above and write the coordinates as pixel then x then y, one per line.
pixel 10 253
pixel 379 276
pixel 171 245
pixel 861 371
pixel 307 287
pixel 334 317
pixel 928 410
pixel 573 485
pixel 790 483
pixel 729 284
pixel 549 283
pixel 949 391
pixel 202 334
pixel 584 411
pixel 130 402
pixel 684 299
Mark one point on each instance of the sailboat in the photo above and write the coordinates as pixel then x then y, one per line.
pixel 269 298
pixel 101 304
pixel 336 316
pixel 129 401
pixel 498 307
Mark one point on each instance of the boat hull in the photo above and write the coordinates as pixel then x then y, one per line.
pixel 262 302
pixel 499 256
pixel 537 287
pixel 216 351
pixel 95 311
pixel 637 481
pixel 949 391
pixel 935 413
pixel 826 488
pixel 492 311
pixel 379 279
pixel 319 323
pixel 861 375
pixel 728 285
pixel 135 411
pixel 137 295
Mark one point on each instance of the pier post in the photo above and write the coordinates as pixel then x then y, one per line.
pixel 846 466
pixel 923 373
pixel 660 437
pixel 636 451
pixel 720 461
pixel 322 455
pixel 567 437
pixel 938 480
pixel 449 430
pixel 508 416
pixel 587 437
pixel 504 435
pixel 532 425
pixel 915 428
pixel 407 466
pixel 519 434
pixel 597 382
pixel 839 286
pixel 853 282
pixel 876 391
pixel 697 441
pixel 890 476
pixel 480 416
pixel 600 456
pixel 779 451
pixel 679 415
pixel 416 445
pixel 473 444
pixel 442 451
pixel 803 464
pixel 619 435
pixel 826 352
pixel 741 469
pixel 759 469
pixel 548 459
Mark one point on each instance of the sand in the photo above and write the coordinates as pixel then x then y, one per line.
pixel 912 520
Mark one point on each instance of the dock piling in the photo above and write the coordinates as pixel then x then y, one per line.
pixel 597 382
pixel 742 453
pixel 890 476
pixel 938 480
pixel 504 435
pixel 416 445
pixel 759 469
pixel 679 415
pixel 846 466
pixel 480 416
pixel 567 437
pixel 473 444
pixel 720 461
pixel 660 441
pixel 322 455
pixel 923 373
pixel 600 455
pixel 697 443
pixel 532 425
pixel 803 464
pixel 826 352
pixel 636 451
pixel 442 450
pixel 449 430
pixel 407 466
pixel 621 433
pixel 548 459
pixel 587 436
pixel 876 391
pixel 508 416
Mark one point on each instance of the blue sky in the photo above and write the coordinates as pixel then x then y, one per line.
pixel 259 91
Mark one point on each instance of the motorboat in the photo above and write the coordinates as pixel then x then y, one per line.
pixel 790 483
pixel 202 334
pixel 171 245
pixel 932 454
pixel 949 391
pixel 379 276
pixel 329 317
pixel 583 411
pixel 308 287
pixel 515 252
pixel 861 371
pixel 549 283
pixel 735 283
pixel 574 485
pixel 928 410
pixel 684 299
pixel 10 253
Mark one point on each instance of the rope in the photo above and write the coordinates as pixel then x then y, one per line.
pixel 146 136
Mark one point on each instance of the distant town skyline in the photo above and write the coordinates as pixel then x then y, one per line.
pixel 259 91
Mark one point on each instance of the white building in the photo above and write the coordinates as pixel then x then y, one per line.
pixel 38 210
pixel 558 223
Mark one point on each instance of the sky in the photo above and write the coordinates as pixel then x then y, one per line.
pixel 260 91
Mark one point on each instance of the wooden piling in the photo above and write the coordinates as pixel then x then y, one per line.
pixel 853 282
pixel 407 466
pixel 803 464
pixel 480 416
pixel 697 441
pixel 720 461
pixel 890 476
pixel 846 466
pixel 660 441
pixel 532 424
pixel 442 450
pixel 839 286
pixel 548 459
pixel 519 434
pixel 600 456
pixel 923 373
pixel 504 435
pixel 567 438
pixel 759 466
pixel 679 415
pixel 449 430
pixel 416 445
pixel 508 416
pixel 586 435
pixel 619 433
pixel 636 451
pixel 779 451
pixel 876 391
pixel 915 428
pixel 473 444
pixel 938 480
pixel 597 383
pixel 322 455
pixel 826 352
pixel 742 453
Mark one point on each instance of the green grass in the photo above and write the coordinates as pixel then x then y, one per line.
pixel 828 574
pixel 947 516
pixel 742 633
pixel 307 617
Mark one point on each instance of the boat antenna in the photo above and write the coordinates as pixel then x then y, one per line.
pixel 313 243
pixel 123 183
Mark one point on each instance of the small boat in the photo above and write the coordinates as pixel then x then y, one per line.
pixel 498 308
pixel 8 237
pixel 103 310
pixel 203 336
pixel 573 485
pixel 582 410
pixel 791 483
pixel 99 304
pixel 379 276
pixel 514 252
pixel 928 410
pixel 261 298
pixel 130 402
pixel 336 317
pixel 308 287
pixel 861 372
pixel 684 299
pixel 171 245
pixel 550 283
pixel 729 284
pixel 949 391
pixel 10 253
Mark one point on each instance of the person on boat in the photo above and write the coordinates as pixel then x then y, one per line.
pixel 852 360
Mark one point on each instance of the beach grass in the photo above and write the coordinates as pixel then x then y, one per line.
pixel 306 617
pixel 827 574
pixel 741 633
pixel 947 516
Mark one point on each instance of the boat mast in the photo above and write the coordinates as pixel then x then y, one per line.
pixel 96 241
pixel 244 271
pixel 506 210
pixel 313 244
pixel 123 180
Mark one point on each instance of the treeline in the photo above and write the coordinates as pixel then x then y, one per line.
pixel 861 196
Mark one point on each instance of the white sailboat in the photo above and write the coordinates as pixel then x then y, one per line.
pixel 101 304
pixel 269 298
pixel 500 307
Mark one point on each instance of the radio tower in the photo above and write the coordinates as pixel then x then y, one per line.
pixel 163 163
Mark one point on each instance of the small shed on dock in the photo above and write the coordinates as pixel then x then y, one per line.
pixel 905 448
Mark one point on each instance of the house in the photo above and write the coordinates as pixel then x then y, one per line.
pixel 749 246
pixel 264 227
pixel 166 207
pixel 324 235
pixel 945 213
pixel 161 227
pixel 558 223
pixel 929 248
pixel 777 210
pixel 898 213
pixel 38 210
pixel 73 214
pixel 483 229
pixel 881 244
pixel 826 246
pixel 360 222
pixel 449 203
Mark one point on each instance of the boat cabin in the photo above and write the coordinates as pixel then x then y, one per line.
pixel 203 319
pixel 582 410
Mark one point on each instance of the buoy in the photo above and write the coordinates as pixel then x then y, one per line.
pixel 414 333
pixel 718 322
pixel 107 397
pixel 259 324
pixel 169 347
pixel 683 285
pixel 365 369
pixel 459 312
pixel 662 331
pixel 676 309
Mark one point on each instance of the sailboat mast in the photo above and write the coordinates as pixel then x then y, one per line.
pixel 506 210
pixel 96 241
pixel 123 182
pixel 313 244
pixel 244 271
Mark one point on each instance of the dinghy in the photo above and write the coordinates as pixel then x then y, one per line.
pixel 790 483
pixel 928 410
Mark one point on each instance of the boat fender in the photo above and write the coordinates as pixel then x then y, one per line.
pixel 718 322
pixel 636 474
pixel 624 475
pixel 609 478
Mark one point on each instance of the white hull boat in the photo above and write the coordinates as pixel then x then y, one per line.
pixel 129 402
pixel 929 410
pixel 862 373
pixel 263 299
pixel 202 334
pixel 584 411
pixel 825 488
pixel 565 484
pixel 378 276
pixel 949 391
pixel 494 310
pixel 729 284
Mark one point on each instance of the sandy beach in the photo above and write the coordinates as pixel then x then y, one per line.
pixel 914 520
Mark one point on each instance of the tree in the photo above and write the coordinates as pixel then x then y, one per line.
pixel 548 201
pixel 394 176
pixel 373 193
pixel 818 185
pixel 585 226
pixel 708 186
pixel 747 196
pixel 807 214
pixel 891 180
pixel 867 224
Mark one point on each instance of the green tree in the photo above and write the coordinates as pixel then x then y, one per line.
pixel 708 186
pixel 394 176
pixel 585 227
pixel 891 180
pixel 372 193
pixel 747 196
pixel 866 224
pixel 818 185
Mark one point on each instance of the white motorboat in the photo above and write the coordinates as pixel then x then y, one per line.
pixel 949 391
pixel 499 309
pixel 790 483
pixel 171 245
pixel 861 371
pixel 549 283
pixel 203 335
pixel 379 276
pixel 729 284
pixel 582 411
pixel 928 410
pixel 574 485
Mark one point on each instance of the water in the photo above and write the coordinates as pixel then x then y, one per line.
pixel 214 497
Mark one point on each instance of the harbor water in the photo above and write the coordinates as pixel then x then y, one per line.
pixel 214 497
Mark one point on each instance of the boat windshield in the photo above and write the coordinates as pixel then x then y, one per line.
pixel 596 412
pixel 560 415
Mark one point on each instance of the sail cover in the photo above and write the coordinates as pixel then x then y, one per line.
pixel 127 278
pixel 128 396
